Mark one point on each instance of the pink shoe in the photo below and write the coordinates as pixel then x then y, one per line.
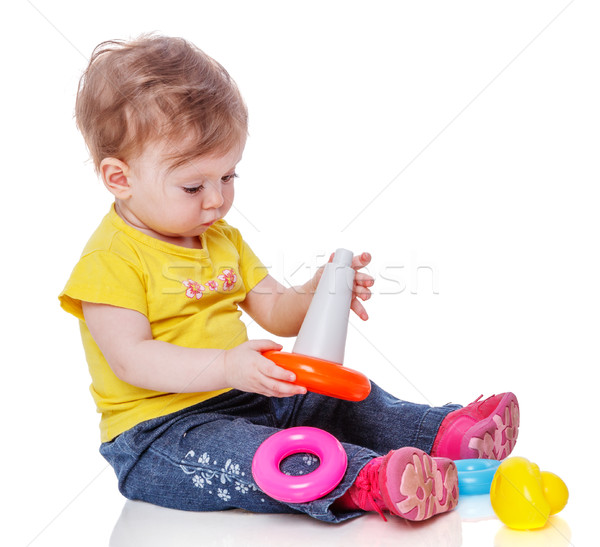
pixel 416 486
pixel 485 429
pixel 406 482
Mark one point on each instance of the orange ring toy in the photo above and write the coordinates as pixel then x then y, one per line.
pixel 324 377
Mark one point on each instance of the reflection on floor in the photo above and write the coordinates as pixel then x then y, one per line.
pixel 144 524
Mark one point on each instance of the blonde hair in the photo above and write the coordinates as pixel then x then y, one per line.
pixel 157 88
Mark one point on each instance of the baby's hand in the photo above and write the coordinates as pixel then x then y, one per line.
pixel 362 282
pixel 247 370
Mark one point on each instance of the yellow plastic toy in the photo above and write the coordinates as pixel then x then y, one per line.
pixel 523 497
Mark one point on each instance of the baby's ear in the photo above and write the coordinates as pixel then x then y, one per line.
pixel 115 175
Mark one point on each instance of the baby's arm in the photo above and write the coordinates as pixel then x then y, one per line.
pixel 125 338
pixel 281 310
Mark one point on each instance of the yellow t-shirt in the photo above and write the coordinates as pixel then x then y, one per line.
pixel 190 297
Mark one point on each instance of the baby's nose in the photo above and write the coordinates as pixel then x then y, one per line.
pixel 213 197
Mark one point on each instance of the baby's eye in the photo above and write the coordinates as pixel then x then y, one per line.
pixel 229 178
pixel 193 190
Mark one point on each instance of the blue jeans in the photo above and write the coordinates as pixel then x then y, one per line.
pixel 200 458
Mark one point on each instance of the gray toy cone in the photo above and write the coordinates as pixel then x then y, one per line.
pixel 323 332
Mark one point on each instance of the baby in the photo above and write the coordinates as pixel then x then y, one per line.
pixel 185 398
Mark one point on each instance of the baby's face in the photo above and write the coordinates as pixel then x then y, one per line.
pixel 177 205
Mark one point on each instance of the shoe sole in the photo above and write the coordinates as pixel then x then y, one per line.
pixel 494 437
pixel 416 486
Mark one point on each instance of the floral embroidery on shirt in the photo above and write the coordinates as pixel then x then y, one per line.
pixel 194 289
pixel 212 285
pixel 227 279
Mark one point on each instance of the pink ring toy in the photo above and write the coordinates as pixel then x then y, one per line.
pixel 302 488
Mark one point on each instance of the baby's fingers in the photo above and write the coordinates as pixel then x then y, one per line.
pixel 278 382
pixel 361 260
pixel 273 371
pixel 359 309
pixel 264 345
pixel 282 389
pixel 363 279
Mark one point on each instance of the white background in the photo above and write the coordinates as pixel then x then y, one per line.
pixel 455 141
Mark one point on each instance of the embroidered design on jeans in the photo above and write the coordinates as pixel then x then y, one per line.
pixel 213 481
pixel 310 459
pixel 208 479
pixel 227 279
